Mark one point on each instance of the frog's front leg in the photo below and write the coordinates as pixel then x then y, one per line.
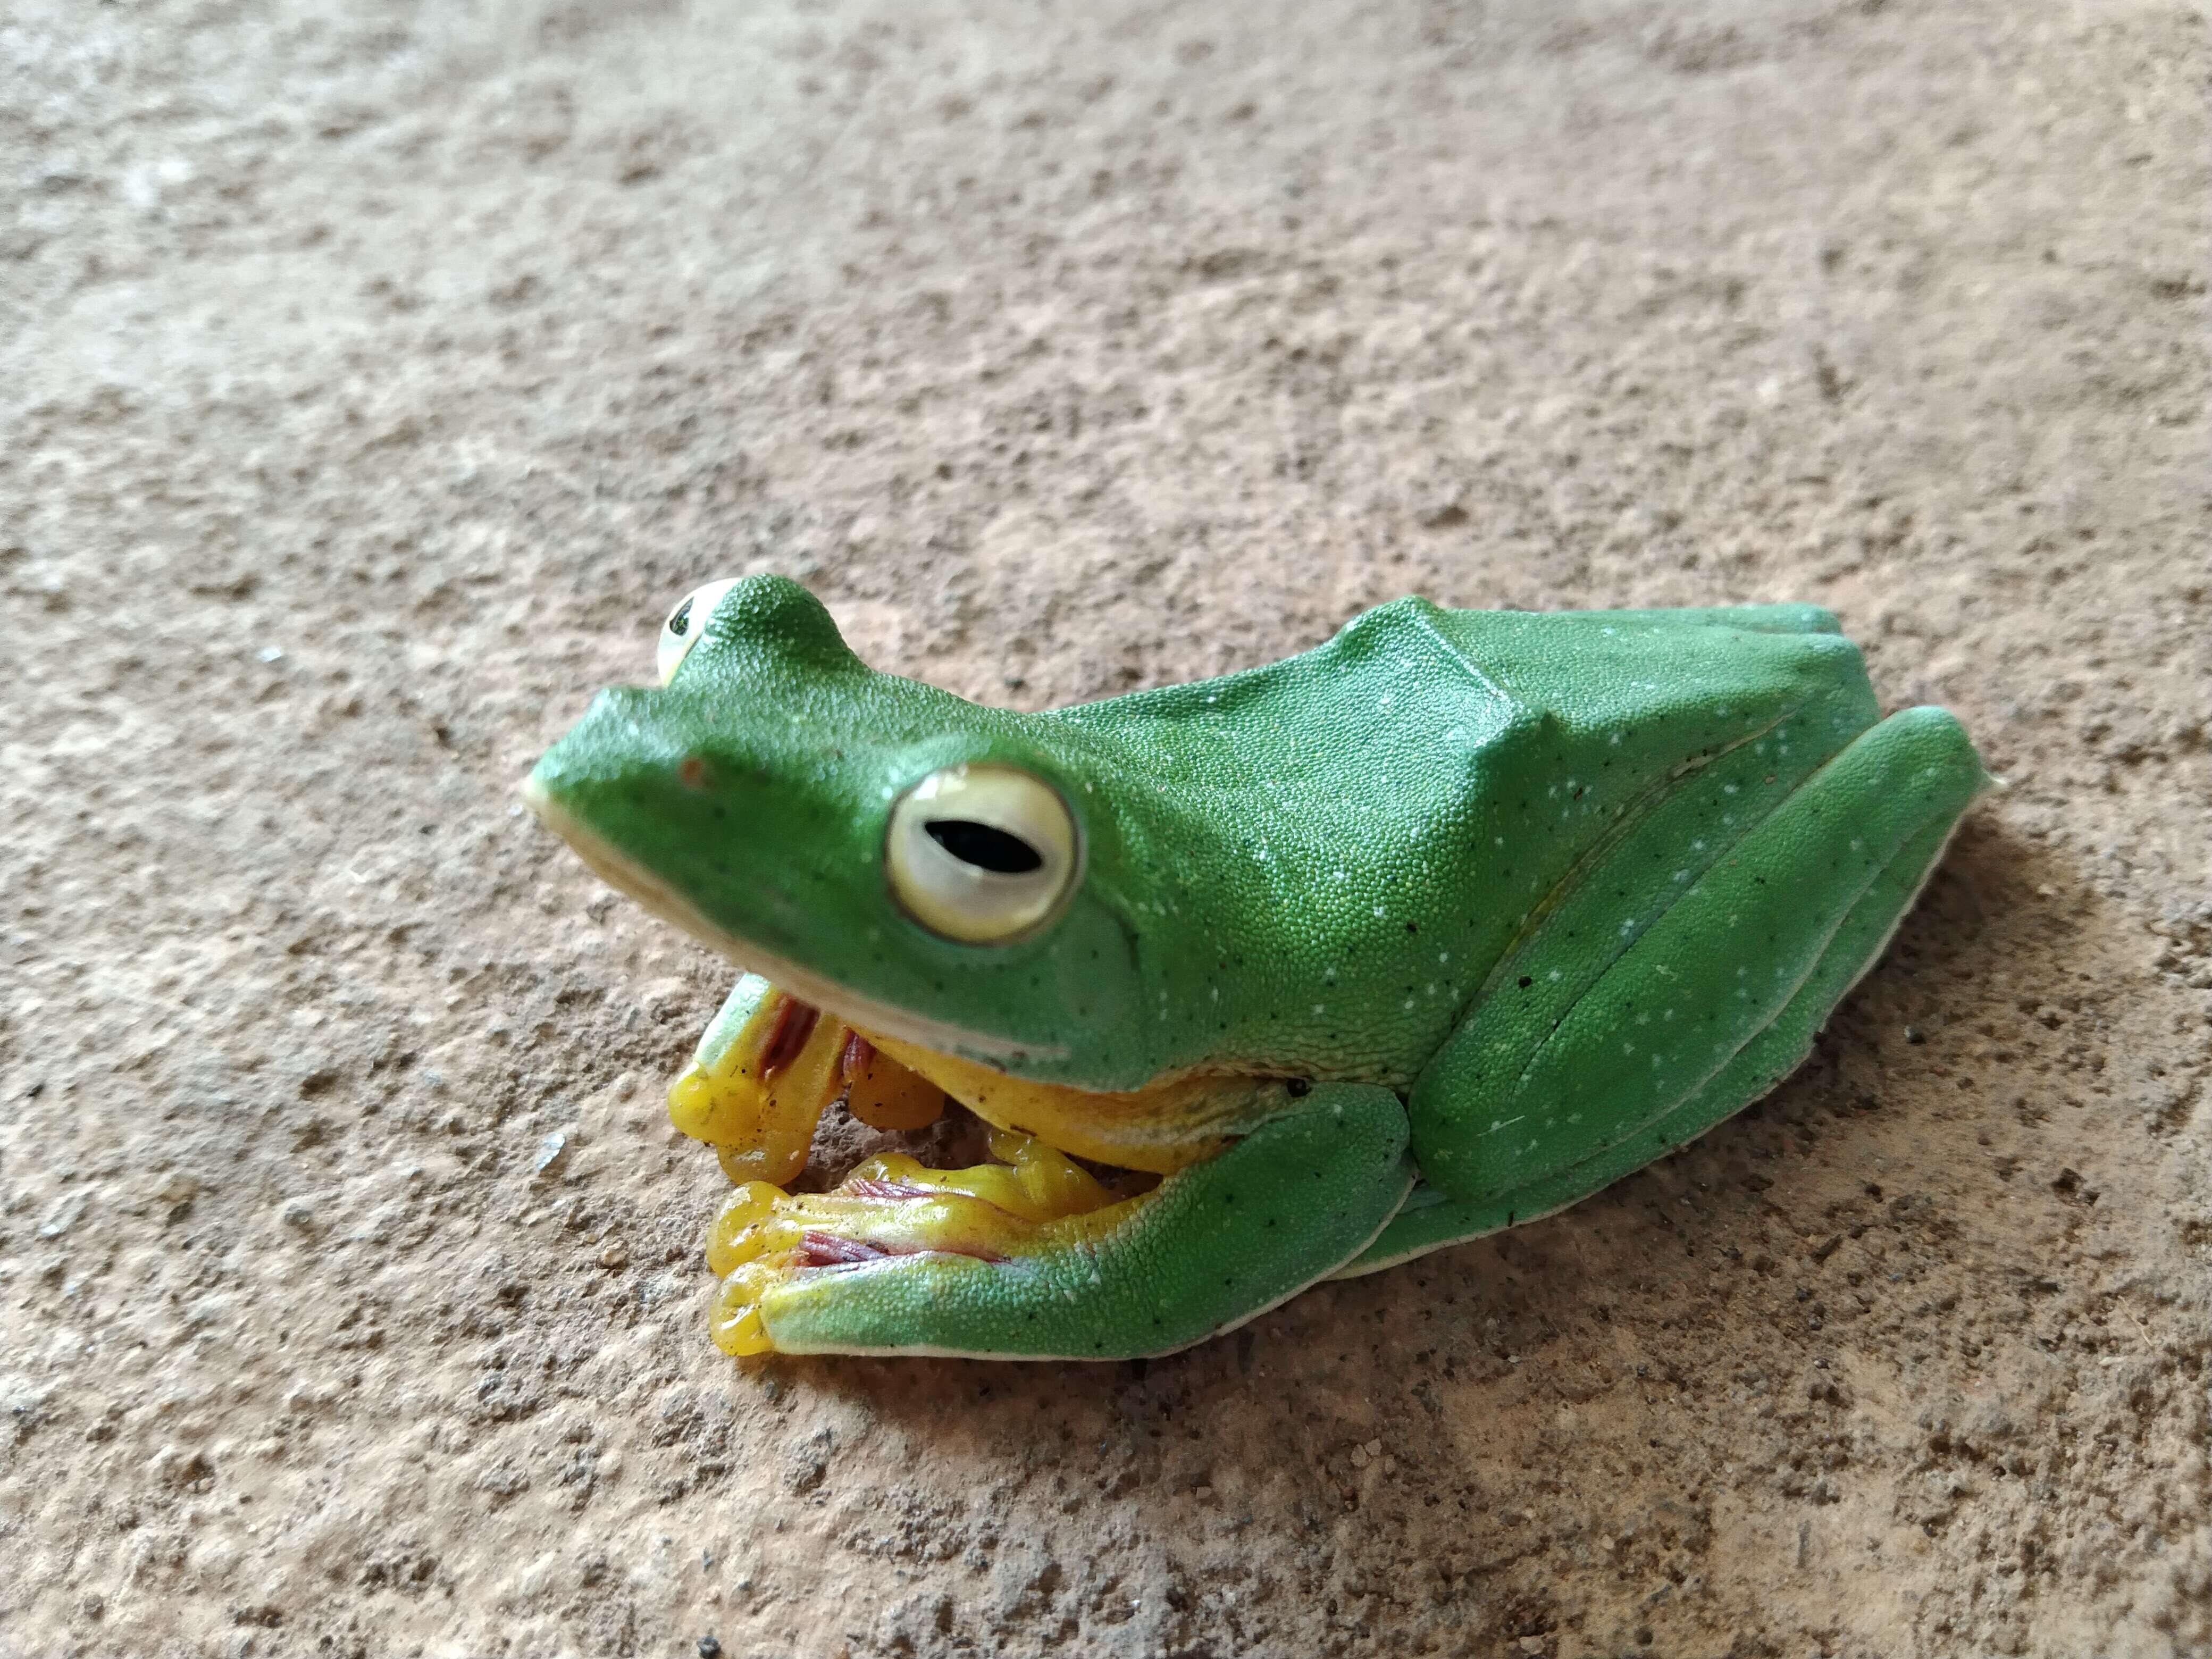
pixel 1035 1260
pixel 766 1067
pixel 1585 1063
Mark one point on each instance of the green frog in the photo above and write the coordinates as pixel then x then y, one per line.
pixel 1290 975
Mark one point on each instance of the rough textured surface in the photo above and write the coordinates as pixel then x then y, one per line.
pixel 373 377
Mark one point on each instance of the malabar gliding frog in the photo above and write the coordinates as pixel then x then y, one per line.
pixel 1430 930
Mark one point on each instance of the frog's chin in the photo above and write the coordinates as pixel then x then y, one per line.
pixel 626 874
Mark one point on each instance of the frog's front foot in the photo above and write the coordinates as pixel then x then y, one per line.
pixel 1034 1257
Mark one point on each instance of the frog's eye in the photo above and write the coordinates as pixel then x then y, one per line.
pixel 687 623
pixel 981 854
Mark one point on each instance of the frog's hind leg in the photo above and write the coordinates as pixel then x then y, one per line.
pixel 1432 1218
pixel 1930 773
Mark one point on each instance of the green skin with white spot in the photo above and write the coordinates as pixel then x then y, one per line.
pixel 1516 902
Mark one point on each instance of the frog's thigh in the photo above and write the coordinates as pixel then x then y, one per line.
pixel 1432 1218
pixel 1213 1245
pixel 1714 1001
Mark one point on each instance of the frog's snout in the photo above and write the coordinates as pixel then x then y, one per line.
pixel 624 740
pixel 635 775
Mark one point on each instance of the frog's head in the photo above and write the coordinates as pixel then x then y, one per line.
pixel 926 869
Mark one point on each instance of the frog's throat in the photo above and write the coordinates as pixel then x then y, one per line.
pixel 619 870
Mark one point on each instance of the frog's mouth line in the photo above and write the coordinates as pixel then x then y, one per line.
pixel 619 870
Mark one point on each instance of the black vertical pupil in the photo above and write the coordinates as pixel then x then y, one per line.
pixel 681 620
pixel 985 846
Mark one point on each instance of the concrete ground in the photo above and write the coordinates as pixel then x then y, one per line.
pixel 373 376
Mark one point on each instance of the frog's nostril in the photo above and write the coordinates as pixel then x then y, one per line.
pixel 691 772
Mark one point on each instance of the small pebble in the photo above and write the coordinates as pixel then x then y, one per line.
pixel 551 1151
pixel 709 1648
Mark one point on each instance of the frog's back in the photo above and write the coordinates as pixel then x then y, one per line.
pixel 1652 670
pixel 1425 772
pixel 1403 689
